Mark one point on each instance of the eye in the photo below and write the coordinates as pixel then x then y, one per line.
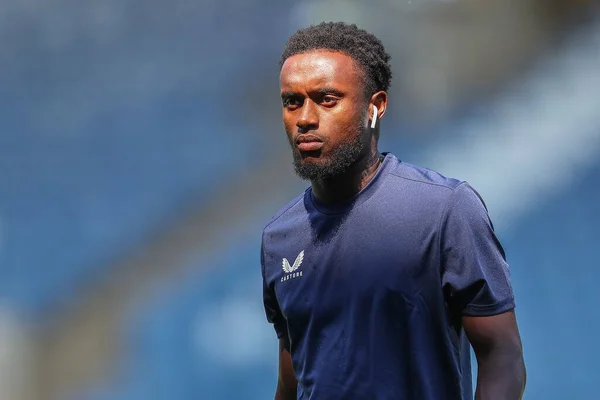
pixel 329 101
pixel 292 103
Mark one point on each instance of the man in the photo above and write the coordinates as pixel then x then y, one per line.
pixel 378 276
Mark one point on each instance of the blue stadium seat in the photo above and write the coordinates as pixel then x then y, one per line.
pixel 554 256
pixel 206 337
pixel 70 209
pixel 82 187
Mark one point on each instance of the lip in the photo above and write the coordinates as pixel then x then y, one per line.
pixel 310 146
pixel 307 142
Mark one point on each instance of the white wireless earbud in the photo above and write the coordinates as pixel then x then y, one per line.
pixel 374 120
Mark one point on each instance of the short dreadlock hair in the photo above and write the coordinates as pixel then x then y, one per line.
pixel 360 45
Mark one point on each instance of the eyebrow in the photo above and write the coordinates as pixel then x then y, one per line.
pixel 323 90
pixel 285 95
pixel 330 90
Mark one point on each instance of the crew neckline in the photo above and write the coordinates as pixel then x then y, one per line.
pixel 360 197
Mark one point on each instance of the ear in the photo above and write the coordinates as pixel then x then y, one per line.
pixel 379 100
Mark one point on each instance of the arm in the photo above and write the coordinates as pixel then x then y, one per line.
pixel 477 287
pixel 497 345
pixel 286 383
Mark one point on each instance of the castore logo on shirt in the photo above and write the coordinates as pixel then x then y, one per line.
pixel 291 270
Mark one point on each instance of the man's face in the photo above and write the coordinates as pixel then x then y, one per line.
pixel 324 112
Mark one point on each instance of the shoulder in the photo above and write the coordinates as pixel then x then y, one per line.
pixel 420 187
pixel 297 204
pixel 424 177
pixel 446 202
pixel 425 188
pixel 450 191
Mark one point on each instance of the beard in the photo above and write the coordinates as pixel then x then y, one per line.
pixel 338 162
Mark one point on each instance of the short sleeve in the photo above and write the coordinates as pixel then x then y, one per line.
pixel 272 310
pixel 475 275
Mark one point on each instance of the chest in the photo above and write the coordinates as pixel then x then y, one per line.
pixel 331 267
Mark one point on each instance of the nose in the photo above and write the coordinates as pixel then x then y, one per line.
pixel 308 118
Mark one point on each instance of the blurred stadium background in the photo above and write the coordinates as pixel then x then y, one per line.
pixel 142 151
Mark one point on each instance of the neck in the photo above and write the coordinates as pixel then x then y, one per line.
pixel 347 184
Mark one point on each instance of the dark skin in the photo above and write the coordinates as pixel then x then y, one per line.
pixel 497 346
pixel 323 95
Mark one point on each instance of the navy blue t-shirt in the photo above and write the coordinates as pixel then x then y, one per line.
pixel 370 293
